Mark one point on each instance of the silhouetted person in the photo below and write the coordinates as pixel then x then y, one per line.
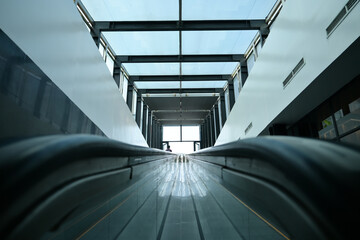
pixel 168 149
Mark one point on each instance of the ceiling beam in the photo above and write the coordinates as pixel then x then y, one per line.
pixel 181 58
pixel 181 111
pixel 176 92
pixel 180 119
pixel 166 78
pixel 178 95
pixel 191 25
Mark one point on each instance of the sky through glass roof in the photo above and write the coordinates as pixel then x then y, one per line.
pixel 152 68
pixel 174 68
pixel 226 9
pixel 208 68
pixel 155 10
pixel 134 43
pixel 157 85
pixel 132 10
pixel 203 84
pixel 216 42
pixel 143 43
pixel 166 39
pixel 176 84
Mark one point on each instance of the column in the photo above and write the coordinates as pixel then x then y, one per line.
pixel 153 130
pixel 222 108
pixel 144 120
pixel 161 136
pixel 205 133
pixel 116 74
pixel 207 129
pixel 157 135
pixel 201 136
pixel 138 109
pixel 212 130
pixel 231 93
pixel 95 37
pixel 148 135
pixel 217 119
pixel 243 73
pixel 129 97
pixel 264 33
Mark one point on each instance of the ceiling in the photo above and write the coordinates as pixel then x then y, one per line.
pixel 171 47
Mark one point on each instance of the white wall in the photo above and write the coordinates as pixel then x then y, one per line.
pixel 55 37
pixel 299 31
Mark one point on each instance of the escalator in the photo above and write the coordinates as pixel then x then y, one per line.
pixel 89 187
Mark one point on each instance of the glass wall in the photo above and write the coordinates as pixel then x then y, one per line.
pixel 182 139
pixel 171 133
pixel 190 133
pixel 181 147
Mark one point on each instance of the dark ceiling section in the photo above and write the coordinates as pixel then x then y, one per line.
pixel 182 58
pixel 183 90
pixel 193 110
pixel 167 78
pixel 163 103
pixel 187 103
pixel 186 122
pixel 181 115
pixel 196 103
pixel 200 25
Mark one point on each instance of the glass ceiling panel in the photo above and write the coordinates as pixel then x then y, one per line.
pixel 216 42
pixel 152 68
pixel 203 84
pixel 143 43
pixel 226 9
pixel 157 85
pixel 134 10
pixel 208 68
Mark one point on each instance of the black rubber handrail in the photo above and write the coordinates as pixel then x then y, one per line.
pixel 52 152
pixel 323 177
pixel 34 168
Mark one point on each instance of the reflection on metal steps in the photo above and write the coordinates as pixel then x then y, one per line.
pixel 180 201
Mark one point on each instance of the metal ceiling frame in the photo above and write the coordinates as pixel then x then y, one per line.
pixel 97 27
pixel 180 58
pixel 178 95
pixel 181 111
pixel 168 78
pixel 180 25
pixel 175 92
pixel 179 119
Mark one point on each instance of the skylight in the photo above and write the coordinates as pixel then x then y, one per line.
pixel 216 42
pixel 226 9
pixel 144 43
pixel 132 10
